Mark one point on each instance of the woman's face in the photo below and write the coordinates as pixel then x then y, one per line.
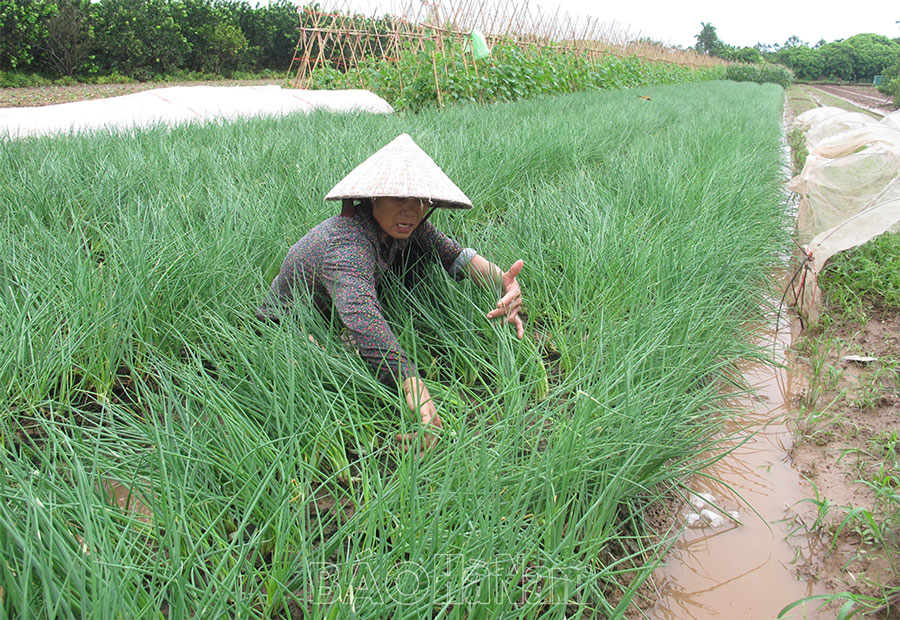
pixel 398 217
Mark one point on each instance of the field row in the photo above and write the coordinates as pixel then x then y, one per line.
pixel 263 469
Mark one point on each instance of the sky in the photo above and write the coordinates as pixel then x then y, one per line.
pixel 742 23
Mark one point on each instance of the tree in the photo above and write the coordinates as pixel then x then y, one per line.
pixel 708 41
pixel 747 54
pixel 837 61
pixel 141 38
pixel 891 84
pixel 70 39
pixel 275 35
pixel 228 46
pixel 197 20
pixel 794 41
pixel 805 62
pixel 23 28
pixel 871 54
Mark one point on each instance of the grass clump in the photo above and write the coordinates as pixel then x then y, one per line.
pixel 266 464
pixel 870 272
pixel 761 73
pixel 796 140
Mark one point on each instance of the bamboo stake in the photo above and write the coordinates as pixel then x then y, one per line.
pixel 352 40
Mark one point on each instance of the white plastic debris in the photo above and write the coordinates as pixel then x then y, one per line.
pixel 859 359
pixel 702 499
pixel 708 515
pixel 713 518
pixel 709 518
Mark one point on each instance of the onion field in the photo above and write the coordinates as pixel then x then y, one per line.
pixel 163 454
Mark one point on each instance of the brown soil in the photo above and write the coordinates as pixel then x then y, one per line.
pixel 49 95
pixel 866 97
pixel 849 446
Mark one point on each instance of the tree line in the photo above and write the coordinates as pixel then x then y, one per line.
pixel 141 39
pixel 856 59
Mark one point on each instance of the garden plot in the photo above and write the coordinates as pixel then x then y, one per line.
pixel 133 269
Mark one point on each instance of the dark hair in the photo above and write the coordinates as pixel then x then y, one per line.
pixel 349 205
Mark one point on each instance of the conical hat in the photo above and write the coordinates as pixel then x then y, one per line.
pixel 402 170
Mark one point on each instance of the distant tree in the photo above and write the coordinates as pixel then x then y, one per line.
pixel 837 59
pixel 651 42
pixel 805 62
pixel 794 41
pixel 767 50
pixel 892 71
pixel 70 37
pixel 746 54
pixel 197 20
pixel 23 28
pixel 272 32
pixel 228 45
pixel 708 41
pixel 820 43
pixel 891 84
pixel 871 54
pixel 141 38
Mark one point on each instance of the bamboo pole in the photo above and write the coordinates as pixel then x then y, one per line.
pixel 449 21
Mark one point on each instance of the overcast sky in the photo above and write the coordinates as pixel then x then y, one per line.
pixel 741 23
pixel 745 23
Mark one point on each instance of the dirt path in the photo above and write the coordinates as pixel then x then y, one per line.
pixel 848 448
pixel 50 95
pixel 866 97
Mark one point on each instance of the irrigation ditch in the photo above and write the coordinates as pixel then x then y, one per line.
pixel 739 537
pixel 811 476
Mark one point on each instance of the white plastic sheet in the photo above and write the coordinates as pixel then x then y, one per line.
pixel 849 189
pixel 181 104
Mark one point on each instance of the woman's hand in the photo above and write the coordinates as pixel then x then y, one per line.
pixel 420 403
pixel 511 302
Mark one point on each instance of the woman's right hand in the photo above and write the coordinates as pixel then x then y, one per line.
pixel 420 403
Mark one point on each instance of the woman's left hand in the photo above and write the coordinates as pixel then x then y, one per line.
pixel 511 302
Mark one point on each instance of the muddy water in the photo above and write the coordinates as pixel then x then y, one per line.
pixel 747 570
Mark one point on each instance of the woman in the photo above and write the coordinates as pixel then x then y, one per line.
pixel 383 225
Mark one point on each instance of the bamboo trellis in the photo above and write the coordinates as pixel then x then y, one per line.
pixel 338 37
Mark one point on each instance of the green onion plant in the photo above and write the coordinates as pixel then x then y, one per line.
pixel 272 485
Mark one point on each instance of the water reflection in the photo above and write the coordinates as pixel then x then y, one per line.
pixel 747 571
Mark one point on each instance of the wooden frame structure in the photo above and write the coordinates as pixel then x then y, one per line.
pixel 337 37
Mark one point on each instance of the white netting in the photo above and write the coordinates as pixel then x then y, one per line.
pixel 181 104
pixel 832 190
pixel 836 126
pixel 892 120
pixel 849 188
pixel 815 116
